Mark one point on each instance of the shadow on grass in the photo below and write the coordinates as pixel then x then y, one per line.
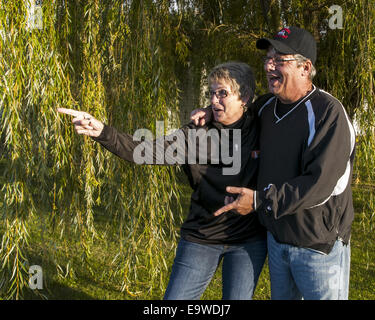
pixel 57 291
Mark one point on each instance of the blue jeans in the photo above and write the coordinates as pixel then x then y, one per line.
pixel 195 265
pixel 302 273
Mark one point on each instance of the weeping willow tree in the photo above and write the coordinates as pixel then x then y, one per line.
pixel 126 63
pixel 115 60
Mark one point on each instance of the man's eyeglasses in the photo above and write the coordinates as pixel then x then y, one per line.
pixel 220 94
pixel 277 61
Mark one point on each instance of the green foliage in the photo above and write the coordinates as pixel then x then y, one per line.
pixel 109 60
pixel 124 62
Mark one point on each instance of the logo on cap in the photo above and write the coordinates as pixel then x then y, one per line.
pixel 283 33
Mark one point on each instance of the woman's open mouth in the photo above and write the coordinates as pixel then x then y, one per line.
pixel 217 110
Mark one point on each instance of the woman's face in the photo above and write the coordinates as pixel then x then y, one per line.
pixel 227 106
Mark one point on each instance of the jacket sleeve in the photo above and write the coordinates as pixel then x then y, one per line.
pixel 142 149
pixel 325 168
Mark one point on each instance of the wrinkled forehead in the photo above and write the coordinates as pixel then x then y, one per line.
pixel 219 83
pixel 219 75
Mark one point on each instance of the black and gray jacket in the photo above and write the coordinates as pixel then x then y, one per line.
pixel 304 195
pixel 208 181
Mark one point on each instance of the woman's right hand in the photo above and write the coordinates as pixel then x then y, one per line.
pixel 201 116
pixel 84 123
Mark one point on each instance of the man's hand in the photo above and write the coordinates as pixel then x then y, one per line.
pixel 244 203
pixel 201 116
pixel 84 123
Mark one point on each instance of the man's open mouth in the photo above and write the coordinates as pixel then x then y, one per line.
pixel 272 79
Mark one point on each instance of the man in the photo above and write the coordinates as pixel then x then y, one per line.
pixel 303 194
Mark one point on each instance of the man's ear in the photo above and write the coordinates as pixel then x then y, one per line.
pixel 307 66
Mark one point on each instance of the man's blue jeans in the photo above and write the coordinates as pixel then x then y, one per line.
pixel 195 265
pixel 301 273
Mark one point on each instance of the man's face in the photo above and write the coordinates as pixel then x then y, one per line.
pixel 284 77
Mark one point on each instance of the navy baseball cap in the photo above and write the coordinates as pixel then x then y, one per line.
pixel 291 40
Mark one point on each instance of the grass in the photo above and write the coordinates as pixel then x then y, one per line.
pixel 67 277
pixel 362 276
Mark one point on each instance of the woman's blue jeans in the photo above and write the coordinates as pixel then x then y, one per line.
pixel 195 264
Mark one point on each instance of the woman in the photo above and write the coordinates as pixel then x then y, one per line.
pixel 239 241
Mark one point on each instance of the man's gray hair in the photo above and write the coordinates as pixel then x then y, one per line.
pixel 301 60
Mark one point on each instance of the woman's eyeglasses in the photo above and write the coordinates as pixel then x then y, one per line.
pixel 220 94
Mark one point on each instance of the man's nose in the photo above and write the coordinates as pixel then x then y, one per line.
pixel 270 66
